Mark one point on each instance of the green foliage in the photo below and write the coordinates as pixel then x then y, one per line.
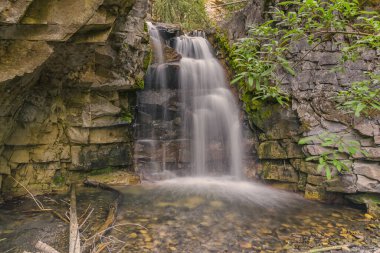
pixel 101 171
pixel 191 14
pixel 58 180
pixel 335 147
pixel 361 97
pixel 127 117
pixel 261 60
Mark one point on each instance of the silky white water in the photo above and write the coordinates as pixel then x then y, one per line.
pixel 156 42
pixel 210 112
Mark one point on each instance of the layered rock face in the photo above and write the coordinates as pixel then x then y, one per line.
pixel 68 75
pixel 313 112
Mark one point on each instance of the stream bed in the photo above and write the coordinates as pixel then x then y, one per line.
pixel 217 215
pixel 195 215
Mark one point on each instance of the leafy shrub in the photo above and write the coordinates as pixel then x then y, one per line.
pixel 336 146
pixel 261 60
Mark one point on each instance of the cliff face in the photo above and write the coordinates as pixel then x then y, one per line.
pixel 68 75
pixel 313 112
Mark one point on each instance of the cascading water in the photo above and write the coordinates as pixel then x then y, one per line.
pixel 156 42
pixel 210 112
pixel 188 120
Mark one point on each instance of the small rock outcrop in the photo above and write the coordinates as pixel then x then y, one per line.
pixel 69 71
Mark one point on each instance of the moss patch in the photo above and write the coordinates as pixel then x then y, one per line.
pixel 101 171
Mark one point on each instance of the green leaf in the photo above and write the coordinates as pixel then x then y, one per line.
pixel 320 167
pixel 306 140
pixel 359 108
pixel 250 81
pixel 312 158
pixel 328 172
pixel 237 79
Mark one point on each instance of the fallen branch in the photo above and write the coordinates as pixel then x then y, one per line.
pixel 74 246
pixel 45 248
pixel 101 247
pixel 39 204
pixel 316 250
pixel 111 217
pixel 87 217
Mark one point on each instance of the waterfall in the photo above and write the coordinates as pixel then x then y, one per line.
pixel 210 112
pixel 188 120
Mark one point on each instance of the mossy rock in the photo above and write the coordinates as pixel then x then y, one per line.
pixel 275 121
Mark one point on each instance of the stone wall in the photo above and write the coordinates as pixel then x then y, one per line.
pixel 312 112
pixel 68 75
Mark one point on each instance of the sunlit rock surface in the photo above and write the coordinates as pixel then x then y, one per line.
pixel 68 75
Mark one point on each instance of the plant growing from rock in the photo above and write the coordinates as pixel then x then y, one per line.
pixel 261 61
pixel 335 147
pixel 362 97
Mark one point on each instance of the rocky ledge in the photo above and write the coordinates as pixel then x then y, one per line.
pixel 68 75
